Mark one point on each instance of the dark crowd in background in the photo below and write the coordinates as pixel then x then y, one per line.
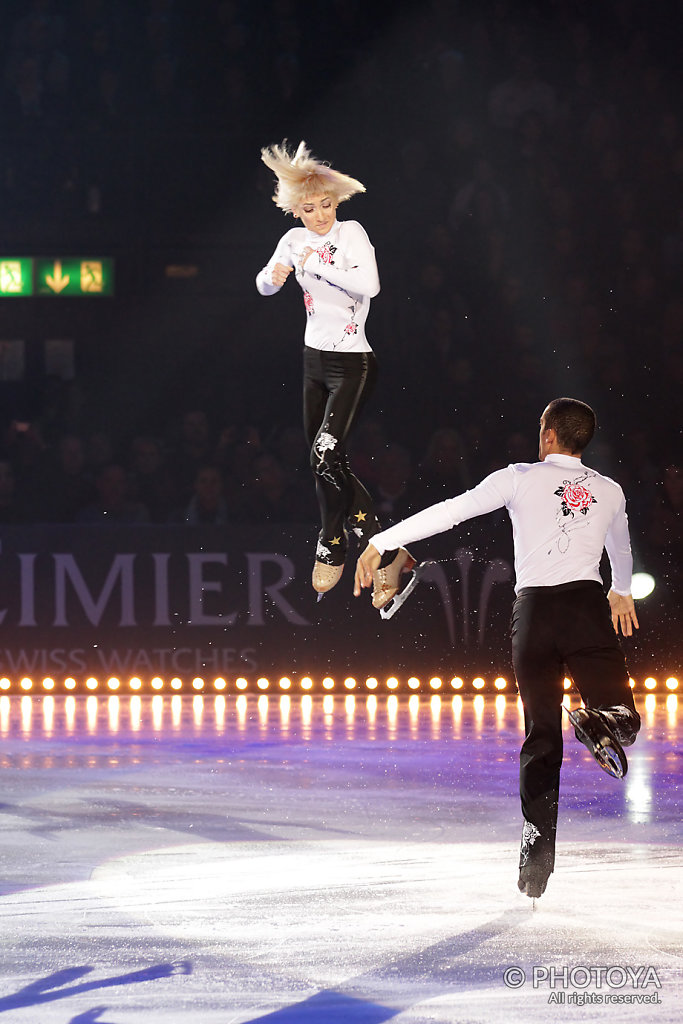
pixel 524 167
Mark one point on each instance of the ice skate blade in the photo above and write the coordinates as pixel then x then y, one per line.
pixel 607 751
pixel 610 762
pixel 391 607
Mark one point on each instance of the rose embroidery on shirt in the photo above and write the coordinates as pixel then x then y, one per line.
pixel 575 498
pixel 351 328
pixel 308 303
pixel 326 252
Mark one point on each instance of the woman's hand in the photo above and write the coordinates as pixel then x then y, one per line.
pixel 280 273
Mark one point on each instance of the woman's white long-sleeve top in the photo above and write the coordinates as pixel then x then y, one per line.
pixel 338 280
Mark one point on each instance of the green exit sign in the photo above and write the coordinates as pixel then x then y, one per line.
pixel 73 276
pixel 69 276
pixel 16 276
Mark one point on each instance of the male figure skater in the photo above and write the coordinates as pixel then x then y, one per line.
pixel 563 514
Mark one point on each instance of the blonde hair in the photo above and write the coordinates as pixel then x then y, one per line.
pixel 299 176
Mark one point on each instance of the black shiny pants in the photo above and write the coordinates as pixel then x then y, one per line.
pixel 336 388
pixel 558 631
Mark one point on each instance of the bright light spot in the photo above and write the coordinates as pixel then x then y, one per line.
pixel 135 683
pixel 392 683
pixel 500 683
pixel 26 684
pixel 262 683
pixel 70 684
pixel 176 683
pixel 567 683
pixel 642 585
pixel 219 684
pixel 306 683
pixel 48 684
pixel 285 683
pixel 672 683
pixel 639 797
pixel 198 684
pixel 157 683
pixel 435 683
pixel 241 683
pixel 478 683
pixel 371 683
pixel 91 683
pixel 4 684
pixel 457 683
pixel 350 683
pixel 650 683
pixel 113 683
pixel 413 683
pixel 328 683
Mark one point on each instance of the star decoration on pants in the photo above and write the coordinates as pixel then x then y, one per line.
pixel 361 516
pixel 335 540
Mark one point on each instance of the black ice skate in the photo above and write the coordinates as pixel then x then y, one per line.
pixel 416 574
pixel 591 728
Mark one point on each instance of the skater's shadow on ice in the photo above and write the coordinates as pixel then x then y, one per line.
pixel 436 967
pixel 53 987
pixel 93 1016
pixel 451 961
pixel 333 1008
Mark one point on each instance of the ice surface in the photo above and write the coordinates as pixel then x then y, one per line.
pixel 221 861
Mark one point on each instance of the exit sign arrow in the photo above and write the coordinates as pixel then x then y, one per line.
pixel 57 281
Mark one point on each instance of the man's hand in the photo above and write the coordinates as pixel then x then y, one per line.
pixel 280 273
pixel 623 613
pixel 308 251
pixel 365 566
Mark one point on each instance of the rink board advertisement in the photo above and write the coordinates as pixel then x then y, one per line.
pixel 230 601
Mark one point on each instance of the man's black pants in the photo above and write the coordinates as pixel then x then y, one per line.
pixel 558 631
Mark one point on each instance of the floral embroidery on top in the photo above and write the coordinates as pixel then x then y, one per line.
pixel 308 303
pixel 326 252
pixel 351 328
pixel 575 498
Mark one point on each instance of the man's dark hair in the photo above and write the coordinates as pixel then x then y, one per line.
pixel 573 422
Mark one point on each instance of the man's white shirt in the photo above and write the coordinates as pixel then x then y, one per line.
pixel 563 515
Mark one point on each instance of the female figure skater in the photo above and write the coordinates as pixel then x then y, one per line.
pixel 335 266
